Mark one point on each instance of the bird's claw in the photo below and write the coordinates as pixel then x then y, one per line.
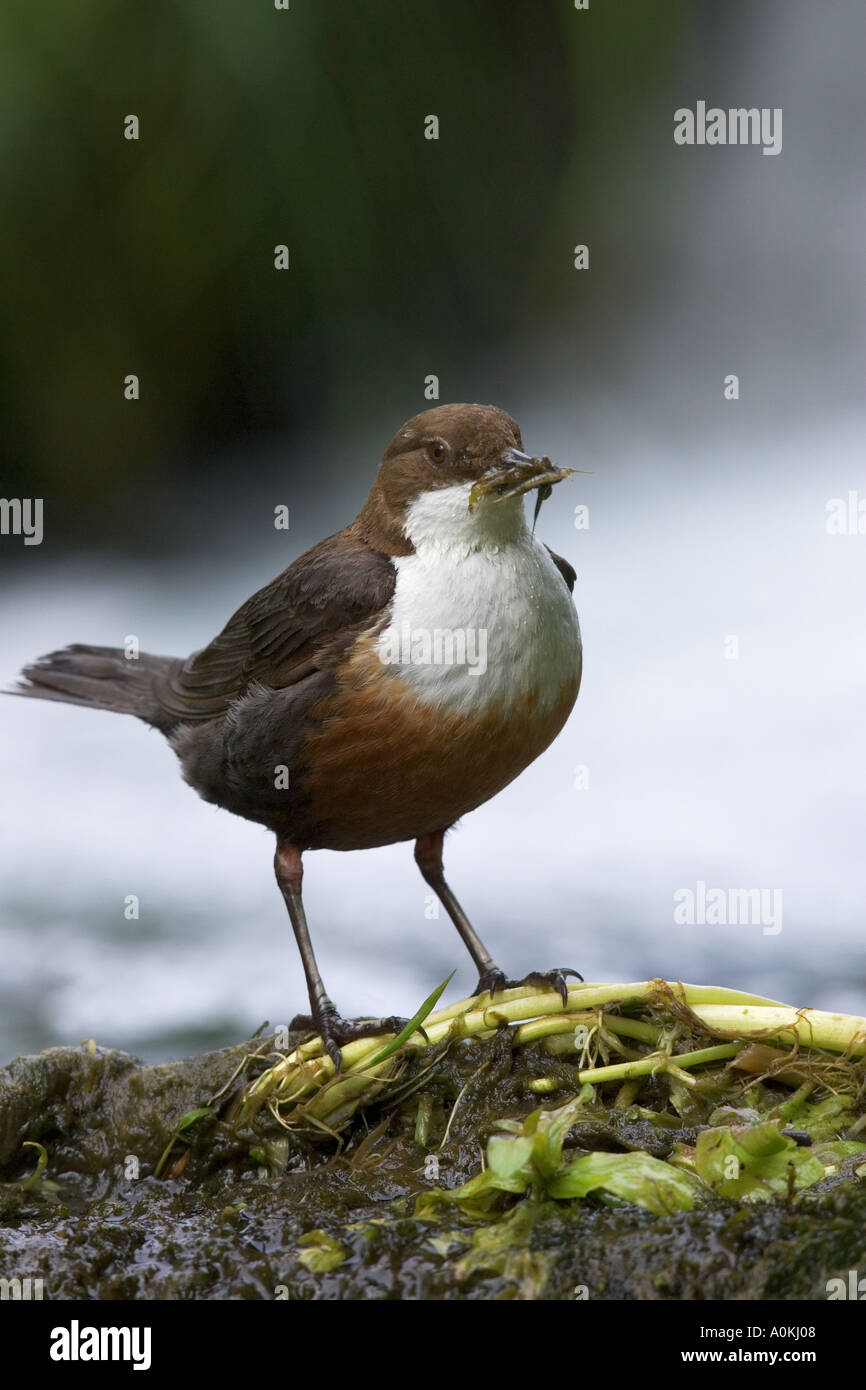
pixel 554 979
pixel 335 1031
pixel 492 980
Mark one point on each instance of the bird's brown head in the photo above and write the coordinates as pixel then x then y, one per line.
pixel 478 445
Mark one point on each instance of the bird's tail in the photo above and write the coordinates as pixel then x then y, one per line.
pixel 102 678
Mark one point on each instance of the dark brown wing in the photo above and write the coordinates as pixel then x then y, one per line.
pixel 565 569
pixel 302 620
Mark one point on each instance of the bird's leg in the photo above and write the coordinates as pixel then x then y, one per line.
pixel 428 857
pixel 323 1017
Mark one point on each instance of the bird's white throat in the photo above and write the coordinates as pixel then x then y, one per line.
pixel 440 520
pixel 480 612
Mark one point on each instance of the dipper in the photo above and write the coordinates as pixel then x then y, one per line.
pixel 393 678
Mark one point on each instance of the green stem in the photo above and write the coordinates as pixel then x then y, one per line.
pixel 561 1031
pixel 658 1061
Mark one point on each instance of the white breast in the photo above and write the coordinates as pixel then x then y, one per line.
pixel 480 612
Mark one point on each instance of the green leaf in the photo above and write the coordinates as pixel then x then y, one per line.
pixel 411 1027
pixel 318 1252
pixel 191 1116
pixel 448 1241
pixel 761 1141
pixel 184 1123
pixel 634 1177
pixel 41 1163
pixel 504 1248
pixel 550 1128
pixel 836 1151
pixel 509 1162
pixel 749 1163
pixel 822 1121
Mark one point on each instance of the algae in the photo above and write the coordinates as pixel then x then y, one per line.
pixel 245 1207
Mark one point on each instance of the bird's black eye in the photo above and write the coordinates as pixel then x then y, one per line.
pixel 438 449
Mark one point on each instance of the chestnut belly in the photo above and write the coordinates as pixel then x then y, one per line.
pixel 381 765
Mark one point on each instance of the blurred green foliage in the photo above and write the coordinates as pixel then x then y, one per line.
pixel 260 126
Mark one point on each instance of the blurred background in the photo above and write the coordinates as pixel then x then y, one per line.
pixel 409 258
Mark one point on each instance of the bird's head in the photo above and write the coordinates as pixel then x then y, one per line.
pixel 455 462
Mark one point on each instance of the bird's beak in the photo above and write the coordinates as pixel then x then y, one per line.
pixel 515 473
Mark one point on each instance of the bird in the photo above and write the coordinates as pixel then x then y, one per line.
pixel 321 711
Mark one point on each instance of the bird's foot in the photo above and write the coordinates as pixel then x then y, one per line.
pixel 336 1031
pixel 493 979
